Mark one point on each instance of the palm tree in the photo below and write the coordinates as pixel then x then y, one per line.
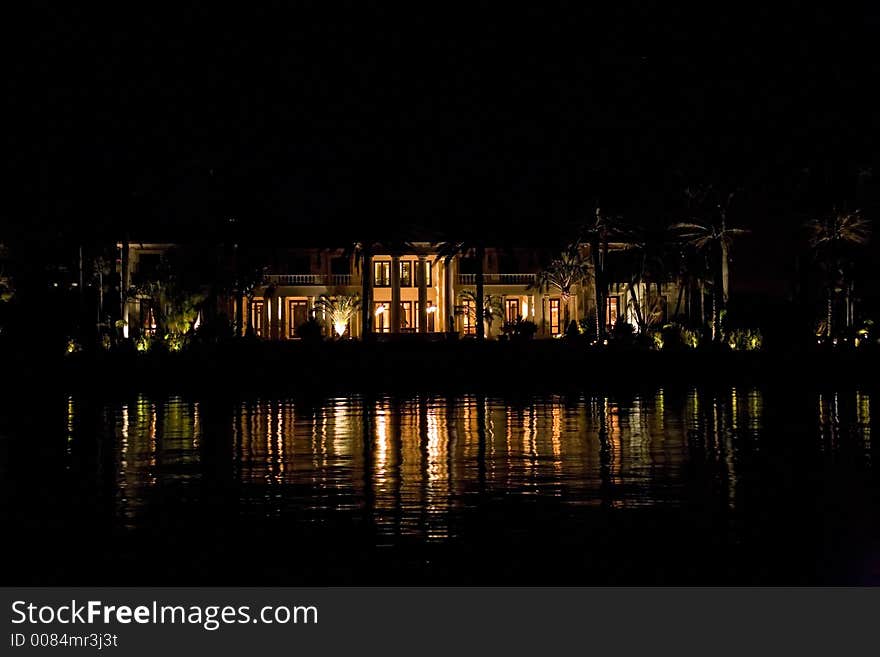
pixel 448 250
pixel 240 278
pixel 648 266
pixel 563 273
pixel 690 275
pixel 493 308
pixel 598 234
pixel 713 238
pixel 830 237
pixel 340 309
pixel 363 256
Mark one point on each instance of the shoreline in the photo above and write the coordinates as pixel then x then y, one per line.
pixel 544 366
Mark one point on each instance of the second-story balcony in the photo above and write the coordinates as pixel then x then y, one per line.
pixel 497 279
pixel 327 280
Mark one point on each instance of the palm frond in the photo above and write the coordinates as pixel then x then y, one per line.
pixel 339 309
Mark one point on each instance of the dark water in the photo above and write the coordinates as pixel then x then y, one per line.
pixel 728 485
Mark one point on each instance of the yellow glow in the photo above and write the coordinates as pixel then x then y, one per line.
pixel 525 309
pixel 380 309
pixel 340 328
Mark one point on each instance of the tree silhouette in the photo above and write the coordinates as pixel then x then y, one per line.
pixel 831 238
pixel 709 233
pixel 598 234
pixel 493 308
pixel 448 250
pixel 563 273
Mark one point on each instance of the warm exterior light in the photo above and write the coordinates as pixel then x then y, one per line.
pixel 431 309
pixel 340 309
pixel 380 309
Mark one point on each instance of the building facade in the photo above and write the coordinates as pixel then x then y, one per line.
pixel 413 291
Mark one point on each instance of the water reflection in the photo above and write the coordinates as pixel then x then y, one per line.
pixel 844 421
pixel 410 466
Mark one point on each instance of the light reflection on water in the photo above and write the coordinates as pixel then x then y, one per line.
pixel 411 463
pixel 681 483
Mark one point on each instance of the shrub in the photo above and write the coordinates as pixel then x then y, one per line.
pixel 674 337
pixel 175 342
pixel 622 331
pixel 310 331
pixel 745 339
pixel 587 325
pixel 215 328
pixel 521 329
pixel 691 338
pixel 657 340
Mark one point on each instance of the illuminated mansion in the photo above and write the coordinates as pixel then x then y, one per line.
pixel 414 290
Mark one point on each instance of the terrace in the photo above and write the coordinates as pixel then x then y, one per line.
pixel 309 279
pixel 497 279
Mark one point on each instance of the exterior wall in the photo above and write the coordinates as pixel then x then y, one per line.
pixel 296 278
pixel 135 261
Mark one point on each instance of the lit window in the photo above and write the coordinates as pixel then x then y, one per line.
pixel 554 317
pixel 257 315
pixel 406 316
pixel 468 316
pixel 297 315
pixel 149 321
pixel 612 311
pixel 383 319
pixel 512 309
pixel 382 273
pixel 406 278
pixel 430 312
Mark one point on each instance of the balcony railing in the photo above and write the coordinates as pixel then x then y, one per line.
pixel 328 280
pixel 497 279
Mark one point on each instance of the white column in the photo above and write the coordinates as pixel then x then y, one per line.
pixel 283 333
pixel 449 295
pixel 423 295
pixel 395 294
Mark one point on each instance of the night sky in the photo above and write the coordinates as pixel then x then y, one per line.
pixel 317 123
